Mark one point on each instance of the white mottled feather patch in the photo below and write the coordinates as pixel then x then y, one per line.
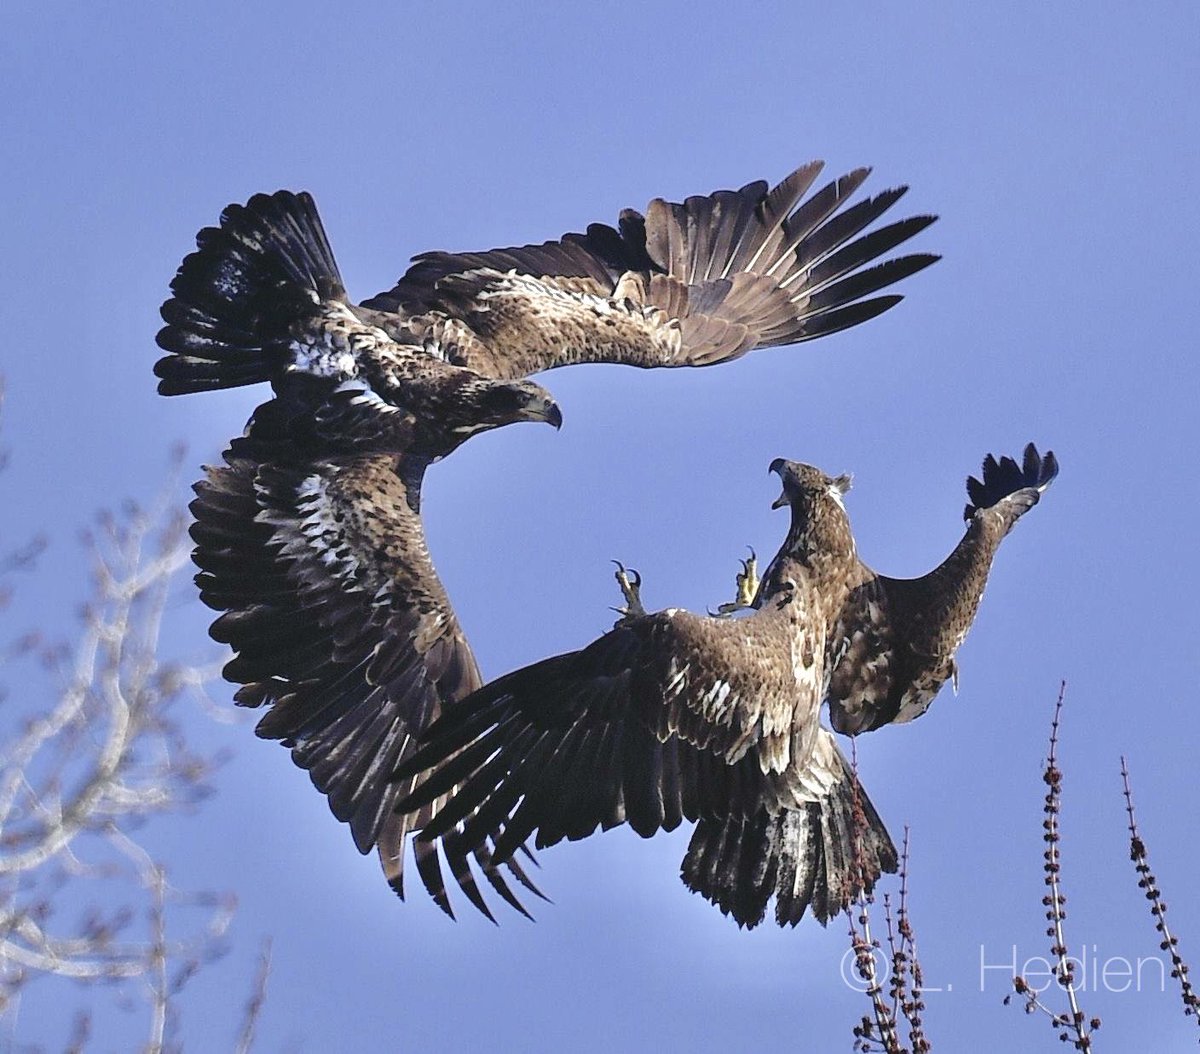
pixel 320 360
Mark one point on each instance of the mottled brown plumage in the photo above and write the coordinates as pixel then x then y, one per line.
pixel 310 539
pixel 901 634
pixel 673 716
pixel 685 285
pixel 342 627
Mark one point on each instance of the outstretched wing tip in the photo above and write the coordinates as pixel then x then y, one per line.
pixel 1003 477
pixel 806 263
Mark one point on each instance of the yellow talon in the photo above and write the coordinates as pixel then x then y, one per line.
pixel 747 586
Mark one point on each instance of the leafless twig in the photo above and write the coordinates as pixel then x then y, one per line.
pixel 1072 1027
pixel 906 978
pixel 1158 908
pixel 255 1003
pixel 881 1027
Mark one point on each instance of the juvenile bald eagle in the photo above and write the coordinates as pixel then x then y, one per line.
pixel 674 716
pixel 309 538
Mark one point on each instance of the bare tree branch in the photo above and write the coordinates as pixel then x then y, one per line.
pixel 1072 1027
pixel 257 1000
pixel 882 1028
pixel 1148 884
pixel 96 753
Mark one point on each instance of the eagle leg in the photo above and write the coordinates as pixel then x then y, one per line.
pixel 631 591
pixel 747 587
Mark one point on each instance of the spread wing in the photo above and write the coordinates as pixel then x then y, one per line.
pixel 342 628
pixel 686 284
pixel 668 717
pixel 897 637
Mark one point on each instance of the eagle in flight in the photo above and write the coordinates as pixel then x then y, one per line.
pixel 674 716
pixel 309 537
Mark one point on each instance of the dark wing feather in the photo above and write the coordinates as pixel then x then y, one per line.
pixel 668 717
pixel 597 259
pixel 635 729
pixel 867 657
pixel 341 627
pixel 687 284
pixel 1005 478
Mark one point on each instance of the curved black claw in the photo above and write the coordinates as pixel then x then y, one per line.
pixel 630 583
pixel 622 576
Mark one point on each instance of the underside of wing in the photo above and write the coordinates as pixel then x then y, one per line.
pixel 903 633
pixel 639 728
pixel 341 627
pixel 869 662
pixel 647 725
pixel 581 741
pixel 687 284
pixel 894 643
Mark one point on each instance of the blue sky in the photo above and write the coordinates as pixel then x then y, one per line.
pixel 1059 145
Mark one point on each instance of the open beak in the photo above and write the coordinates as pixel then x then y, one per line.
pixel 782 500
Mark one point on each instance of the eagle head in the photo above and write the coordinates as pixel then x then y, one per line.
pixel 819 520
pixel 806 485
pixel 503 402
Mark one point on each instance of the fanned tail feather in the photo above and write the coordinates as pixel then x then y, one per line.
pixel 816 857
pixel 266 265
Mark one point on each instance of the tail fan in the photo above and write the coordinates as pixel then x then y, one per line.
pixel 266 265
pixel 817 857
